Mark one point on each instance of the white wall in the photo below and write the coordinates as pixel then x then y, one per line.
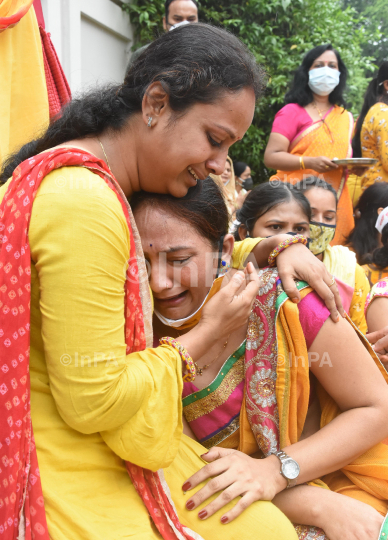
pixel 93 39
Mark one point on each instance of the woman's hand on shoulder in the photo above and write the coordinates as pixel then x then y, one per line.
pixel 298 263
pixel 349 519
pixel 234 474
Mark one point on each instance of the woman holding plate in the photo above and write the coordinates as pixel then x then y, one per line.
pixel 313 128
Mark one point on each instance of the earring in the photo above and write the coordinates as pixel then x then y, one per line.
pixel 149 121
pixel 224 268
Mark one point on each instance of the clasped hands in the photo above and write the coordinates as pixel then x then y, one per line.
pixel 234 474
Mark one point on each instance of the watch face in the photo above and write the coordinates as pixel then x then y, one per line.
pixel 290 469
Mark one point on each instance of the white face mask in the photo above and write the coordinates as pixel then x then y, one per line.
pixel 192 319
pixel 177 25
pixel 177 323
pixel 322 81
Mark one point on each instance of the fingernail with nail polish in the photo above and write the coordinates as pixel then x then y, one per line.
pixel 224 519
pixel 186 486
pixel 202 514
pixel 190 505
pixel 203 455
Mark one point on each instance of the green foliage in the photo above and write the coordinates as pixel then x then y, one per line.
pixel 375 20
pixel 279 33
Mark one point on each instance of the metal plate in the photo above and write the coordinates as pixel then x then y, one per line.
pixel 355 162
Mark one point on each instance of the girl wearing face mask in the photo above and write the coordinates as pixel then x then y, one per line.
pixel 339 260
pixel 313 128
pixel 251 396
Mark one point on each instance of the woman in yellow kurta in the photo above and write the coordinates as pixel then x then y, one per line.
pixel 254 392
pixel 24 108
pixel 94 403
pixel 313 128
pixel 371 133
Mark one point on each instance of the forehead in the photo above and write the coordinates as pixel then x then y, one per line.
pixel 290 211
pixel 327 56
pixel 184 8
pixel 160 230
pixel 321 198
pixel 233 111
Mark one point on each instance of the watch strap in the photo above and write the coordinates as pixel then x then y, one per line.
pixel 282 456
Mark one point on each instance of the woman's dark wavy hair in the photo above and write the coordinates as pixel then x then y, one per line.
pixel 263 198
pixel 311 182
pixel 196 63
pixel 203 207
pixel 374 93
pixel 301 93
pixel 364 237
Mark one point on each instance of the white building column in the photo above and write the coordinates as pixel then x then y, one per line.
pixel 92 38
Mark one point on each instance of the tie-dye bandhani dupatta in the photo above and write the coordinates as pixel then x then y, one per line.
pixel 22 513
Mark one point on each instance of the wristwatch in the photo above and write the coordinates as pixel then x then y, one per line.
pixel 289 468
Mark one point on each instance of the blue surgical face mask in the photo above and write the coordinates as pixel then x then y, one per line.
pixel 322 81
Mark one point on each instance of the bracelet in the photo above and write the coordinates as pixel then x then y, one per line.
pixel 186 358
pixel 298 239
pixel 301 162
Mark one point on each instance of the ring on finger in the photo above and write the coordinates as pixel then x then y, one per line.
pixel 332 281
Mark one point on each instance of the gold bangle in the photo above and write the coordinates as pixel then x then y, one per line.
pixel 301 162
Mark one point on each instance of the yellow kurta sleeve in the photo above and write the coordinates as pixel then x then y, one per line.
pixel 242 250
pixel 361 290
pixel 80 247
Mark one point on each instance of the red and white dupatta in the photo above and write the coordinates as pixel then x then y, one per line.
pixel 22 513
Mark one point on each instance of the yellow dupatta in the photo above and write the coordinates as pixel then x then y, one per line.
pixel 24 107
pixel 12 11
pixel 366 478
pixel 330 137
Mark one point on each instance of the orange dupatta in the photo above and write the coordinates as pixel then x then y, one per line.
pixel 330 137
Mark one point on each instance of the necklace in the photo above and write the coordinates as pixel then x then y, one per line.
pixel 323 120
pixel 106 158
pixel 200 369
pixel 319 111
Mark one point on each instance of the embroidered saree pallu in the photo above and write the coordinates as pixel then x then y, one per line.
pixel 277 367
pixel 330 137
pixel 22 513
